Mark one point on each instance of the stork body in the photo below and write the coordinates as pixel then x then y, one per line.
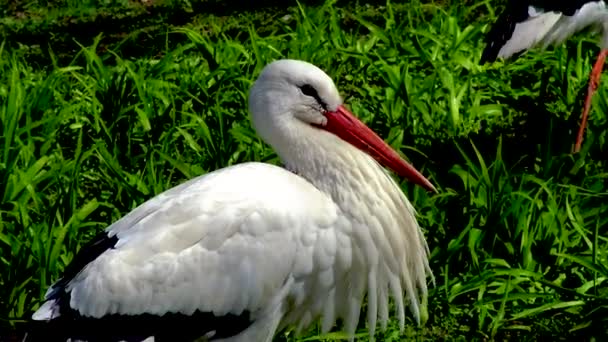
pixel 527 24
pixel 241 252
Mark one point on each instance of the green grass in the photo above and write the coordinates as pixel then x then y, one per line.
pixel 518 232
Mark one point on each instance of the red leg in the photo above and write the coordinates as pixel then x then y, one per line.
pixel 594 81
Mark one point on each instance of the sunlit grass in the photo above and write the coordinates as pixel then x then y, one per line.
pixel 518 232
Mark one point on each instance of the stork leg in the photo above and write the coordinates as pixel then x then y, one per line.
pixel 594 81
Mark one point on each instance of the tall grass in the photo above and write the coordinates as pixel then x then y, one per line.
pixel 519 231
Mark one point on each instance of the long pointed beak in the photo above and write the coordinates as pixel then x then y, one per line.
pixel 345 125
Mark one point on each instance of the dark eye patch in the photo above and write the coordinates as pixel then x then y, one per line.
pixel 309 90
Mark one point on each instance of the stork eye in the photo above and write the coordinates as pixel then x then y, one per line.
pixel 309 90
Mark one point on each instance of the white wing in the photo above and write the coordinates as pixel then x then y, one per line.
pixel 529 33
pixel 222 243
pixel 591 14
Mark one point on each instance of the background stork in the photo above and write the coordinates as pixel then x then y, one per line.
pixel 539 23
pixel 243 251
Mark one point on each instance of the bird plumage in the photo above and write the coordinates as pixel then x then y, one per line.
pixel 526 24
pixel 253 248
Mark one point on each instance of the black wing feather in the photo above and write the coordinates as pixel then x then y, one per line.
pixel 89 252
pixel 114 328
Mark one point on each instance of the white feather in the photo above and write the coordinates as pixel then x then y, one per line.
pixel 287 248
pixel 48 310
pixel 543 29
pixel 244 244
pixel 592 14
pixel 194 247
pixel 529 33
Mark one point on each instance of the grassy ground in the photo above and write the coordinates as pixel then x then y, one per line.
pixel 94 124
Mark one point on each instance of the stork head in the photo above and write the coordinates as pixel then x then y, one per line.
pixel 291 95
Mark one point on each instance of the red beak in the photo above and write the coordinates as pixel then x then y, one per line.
pixel 345 125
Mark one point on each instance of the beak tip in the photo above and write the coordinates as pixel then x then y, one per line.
pixel 430 187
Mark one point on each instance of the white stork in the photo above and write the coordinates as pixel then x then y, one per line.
pixel 239 253
pixel 539 23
